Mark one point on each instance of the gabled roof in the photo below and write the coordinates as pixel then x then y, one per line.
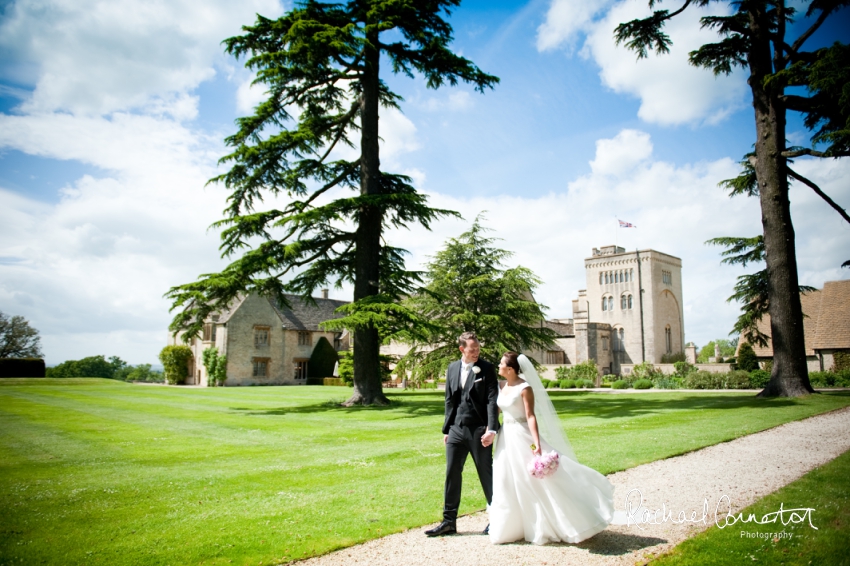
pixel 300 315
pixel 303 315
pixel 826 325
pixel 562 329
pixel 834 322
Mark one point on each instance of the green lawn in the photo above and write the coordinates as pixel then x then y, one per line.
pixel 825 489
pixel 97 471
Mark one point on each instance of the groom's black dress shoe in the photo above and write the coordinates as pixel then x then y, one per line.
pixel 486 530
pixel 444 528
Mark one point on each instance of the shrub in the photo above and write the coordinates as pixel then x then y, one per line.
pixel 175 360
pixel 822 378
pixel 585 384
pixel 767 365
pixel 759 378
pixel 145 374
pixel 93 366
pixel 673 358
pixel 22 367
pixel 584 370
pixel 346 368
pixel 747 360
pixel 843 378
pixel 552 384
pixel 567 384
pixel 645 370
pixel 737 379
pixel 643 384
pixel 683 368
pixel 620 384
pixel 216 367
pixel 669 383
pixel 840 361
pixel 322 360
pixel 704 380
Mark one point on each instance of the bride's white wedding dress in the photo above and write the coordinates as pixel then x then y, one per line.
pixel 570 505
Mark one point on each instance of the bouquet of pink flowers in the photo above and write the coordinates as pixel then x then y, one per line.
pixel 544 465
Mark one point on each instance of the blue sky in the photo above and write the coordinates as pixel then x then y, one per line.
pixel 112 117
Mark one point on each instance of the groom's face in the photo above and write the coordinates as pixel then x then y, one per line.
pixel 471 351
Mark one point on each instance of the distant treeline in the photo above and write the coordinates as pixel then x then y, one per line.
pixel 113 368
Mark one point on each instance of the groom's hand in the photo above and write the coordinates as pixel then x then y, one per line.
pixel 487 438
pixel 445 439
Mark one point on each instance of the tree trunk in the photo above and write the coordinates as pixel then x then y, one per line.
pixel 367 370
pixel 789 377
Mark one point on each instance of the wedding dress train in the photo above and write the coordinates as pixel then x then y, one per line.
pixel 571 505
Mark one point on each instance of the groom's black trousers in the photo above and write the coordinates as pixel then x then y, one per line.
pixel 463 441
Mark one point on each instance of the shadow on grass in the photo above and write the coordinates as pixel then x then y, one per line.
pixel 614 406
pixel 568 404
pixel 402 405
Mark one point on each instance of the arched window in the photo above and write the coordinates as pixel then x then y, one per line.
pixel 600 278
pixel 622 340
pixel 623 302
pixel 604 303
pixel 668 336
pixel 610 303
pixel 621 277
pixel 631 275
pixel 606 277
pixel 630 301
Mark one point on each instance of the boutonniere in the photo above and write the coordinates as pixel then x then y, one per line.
pixel 476 370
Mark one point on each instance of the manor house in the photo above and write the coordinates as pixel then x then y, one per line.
pixel 266 343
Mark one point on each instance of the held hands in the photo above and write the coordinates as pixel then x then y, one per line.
pixel 487 438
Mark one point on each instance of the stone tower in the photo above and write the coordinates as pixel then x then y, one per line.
pixel 631 310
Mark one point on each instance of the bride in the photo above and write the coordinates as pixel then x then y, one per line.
pixel 570 505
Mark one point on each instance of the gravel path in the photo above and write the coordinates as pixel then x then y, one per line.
pixel 745 469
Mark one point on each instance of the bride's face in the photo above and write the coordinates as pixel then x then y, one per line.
pixel 505 370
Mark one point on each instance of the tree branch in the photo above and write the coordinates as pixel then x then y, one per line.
pixel 814 27
pixel 813 153
pixel 820 193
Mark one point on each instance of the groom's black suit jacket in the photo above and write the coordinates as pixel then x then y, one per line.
pixel 482 393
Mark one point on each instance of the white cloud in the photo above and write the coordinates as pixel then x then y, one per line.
pixel 671 91
pixel 621 154
pixel 454 101
pixel 398 134
pixel 97 262
pixel 248 95
pixel 108 55
pixel 565 20
pixel 676 209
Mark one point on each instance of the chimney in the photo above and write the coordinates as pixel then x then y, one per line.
pixel 324 293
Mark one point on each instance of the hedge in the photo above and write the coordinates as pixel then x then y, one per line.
pixel 322 360
pixel 22 367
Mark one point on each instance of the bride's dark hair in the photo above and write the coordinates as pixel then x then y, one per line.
pixel 511 361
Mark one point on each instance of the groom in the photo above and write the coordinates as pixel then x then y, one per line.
pixel 472 419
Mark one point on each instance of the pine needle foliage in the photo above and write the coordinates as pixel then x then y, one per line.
pixel 751 289
pixel 469 288
pixel 320 64
pixel 783 76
